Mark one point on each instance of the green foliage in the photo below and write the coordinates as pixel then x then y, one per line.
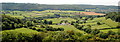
pixel 111 33
pixel 95 31
pixel 98 23
pixel 13 22
pixel 12 36
pixel 49 28
pixel 21 34
pixel 114 16
pixel 47 22
pixel 103 35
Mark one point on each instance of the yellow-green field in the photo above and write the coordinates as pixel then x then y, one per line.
pixel 114 30
pixel 100 26
pixel 108 23
pixel 23 30
pixel 60 11
pixel 57 20
pixel 68 27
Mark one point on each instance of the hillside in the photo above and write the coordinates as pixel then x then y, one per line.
pixel 41 7
pixel 27 22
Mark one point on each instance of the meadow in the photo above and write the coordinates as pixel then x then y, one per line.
pixel 114 30
pixel 21 30
pixel 58 20
pixel 68 28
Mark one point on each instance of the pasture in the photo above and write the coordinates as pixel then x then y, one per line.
pixel 68 27
pixel 22 30
pixel 58 20
pixel 105 23
pixel 114 30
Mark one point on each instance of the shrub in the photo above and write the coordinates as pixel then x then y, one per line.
pixel 34 28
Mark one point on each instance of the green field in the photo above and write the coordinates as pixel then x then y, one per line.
pixel 108 22
pixel 22 30
pixel 57 20
pixel 90 23
pixel 100 26
pixel 105 23
pixel 114 30
pixel 68 27
pixel 60 11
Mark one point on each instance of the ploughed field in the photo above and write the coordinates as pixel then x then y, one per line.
pixel 91 13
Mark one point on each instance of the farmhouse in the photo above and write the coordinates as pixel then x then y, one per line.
pixel 64 24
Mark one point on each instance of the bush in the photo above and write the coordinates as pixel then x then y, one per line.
pixel 60 29
pixel 42 26
pixel 103 35
pixel 111 33
pixel 95 31
pixel 39 30
pixel 79 27
pixel 33 28
pixel 98 23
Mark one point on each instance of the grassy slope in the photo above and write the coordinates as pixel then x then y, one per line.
pixel 108 23
pixel 114 30
pixel 23 30
pixel 57 20
pixel 68 27
pixel 100 26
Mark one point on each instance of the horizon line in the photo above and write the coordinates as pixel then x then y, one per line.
pixel 60 4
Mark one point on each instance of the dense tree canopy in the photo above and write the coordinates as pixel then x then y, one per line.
pixel 114 16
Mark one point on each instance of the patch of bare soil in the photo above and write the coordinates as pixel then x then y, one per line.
pixel 89 13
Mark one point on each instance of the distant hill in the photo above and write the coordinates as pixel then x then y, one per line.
pixel 40 7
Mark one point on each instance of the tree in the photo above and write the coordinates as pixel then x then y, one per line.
pixel 50 22
pixel 103 35
pixel 95 31
pixel 111 32
pixel 72 23
pixel 30 23
pixel 77 21
pixel 79 27
pixel 114 16
pixel 66 21
pixel 61 21
pixel 88 30
pixel 75 24
pixel 34 28
pixel 45 21
pixel 98 23
pixel 60 29
pixel 39 30
pixel 42 26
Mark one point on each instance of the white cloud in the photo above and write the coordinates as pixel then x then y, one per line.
pixel 94 2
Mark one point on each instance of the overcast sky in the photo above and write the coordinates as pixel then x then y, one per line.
pixel 93 2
